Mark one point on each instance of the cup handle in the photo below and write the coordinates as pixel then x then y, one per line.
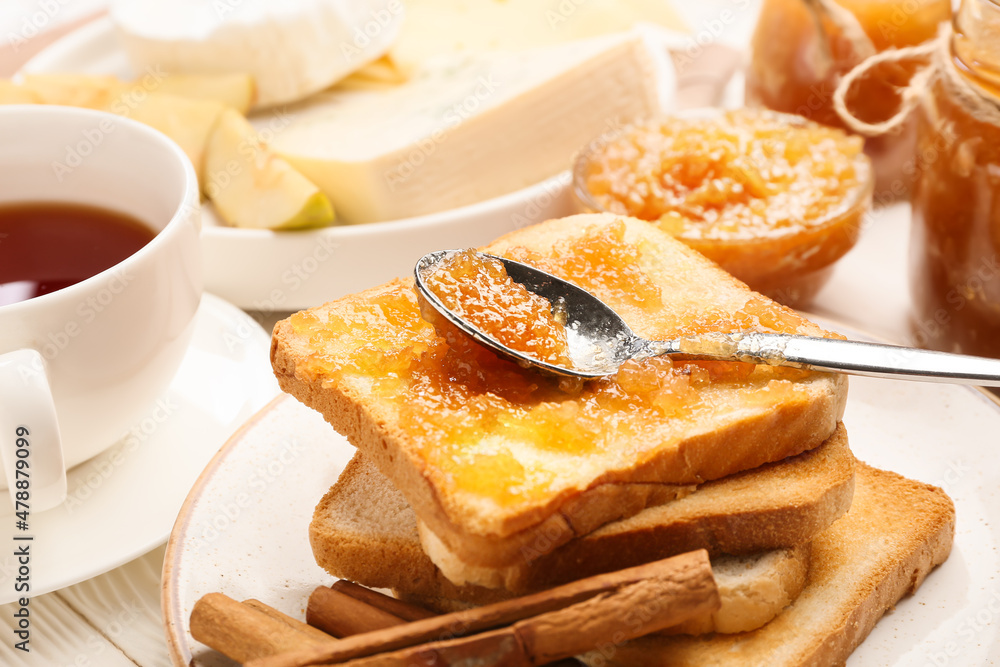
pixel 30 446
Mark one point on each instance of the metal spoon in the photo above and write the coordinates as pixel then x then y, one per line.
pixel 600 341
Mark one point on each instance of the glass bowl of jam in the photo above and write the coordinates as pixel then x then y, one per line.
pixel 774 199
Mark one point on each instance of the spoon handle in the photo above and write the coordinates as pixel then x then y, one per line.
pixel 845 356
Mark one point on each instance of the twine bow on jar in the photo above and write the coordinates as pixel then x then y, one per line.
pixel 977 101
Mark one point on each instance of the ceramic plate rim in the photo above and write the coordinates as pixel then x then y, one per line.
pixel 168 593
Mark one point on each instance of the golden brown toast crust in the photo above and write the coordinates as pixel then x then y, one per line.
pixel 773 506
pixel 724 446
pixel 897 531
pixel 778 505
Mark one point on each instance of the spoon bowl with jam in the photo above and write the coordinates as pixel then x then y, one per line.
pixel 542 321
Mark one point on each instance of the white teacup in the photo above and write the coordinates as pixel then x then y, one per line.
pixel 80 366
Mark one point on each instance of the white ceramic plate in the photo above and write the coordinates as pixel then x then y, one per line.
pixel 942 434
pixel 123 502
pixel 264 270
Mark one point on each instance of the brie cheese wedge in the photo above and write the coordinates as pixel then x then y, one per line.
pixel 292 48
pixel 470 127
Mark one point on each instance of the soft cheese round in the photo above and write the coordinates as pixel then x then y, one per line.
pixel 292 48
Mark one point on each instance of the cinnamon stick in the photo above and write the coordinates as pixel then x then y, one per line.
pixel 295 623
pixel 244 633
pixel 404 610
pixel 487 649
pixel 633 610
pixel 683 586
pixel 341 615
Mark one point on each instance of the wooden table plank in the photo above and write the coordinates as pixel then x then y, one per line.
pixel 124 605
pixel 58 636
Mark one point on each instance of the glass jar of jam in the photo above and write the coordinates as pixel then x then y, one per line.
pixel 800 51
pixel 955 237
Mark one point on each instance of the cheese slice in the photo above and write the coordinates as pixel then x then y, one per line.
pixel 434 27
pixel 471 127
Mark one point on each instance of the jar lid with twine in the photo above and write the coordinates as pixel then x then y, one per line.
pixel 981 104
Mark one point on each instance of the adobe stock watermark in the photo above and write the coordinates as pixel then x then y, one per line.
pixel 558 14
pixel 899 18
pixel 58 340
pixel 958 297
pixel 362 36
pixel 92 138
pixel 98 471
pixel 965 633
pixel 249 150
pixel 223 8
pixel 298 273
pixel 239 332
pixel 925 330
pixel 708 33
pixel 254 485
pixel 457 113
pixel 538 207
pixel 33 23
pixel 954 473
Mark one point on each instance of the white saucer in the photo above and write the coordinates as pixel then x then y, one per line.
pixel 941 434
pixel 123 502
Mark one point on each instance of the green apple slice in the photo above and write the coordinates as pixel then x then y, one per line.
pixel 254 188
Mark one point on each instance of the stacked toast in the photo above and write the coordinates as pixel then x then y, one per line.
pixel 476 480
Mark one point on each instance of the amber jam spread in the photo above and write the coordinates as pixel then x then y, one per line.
pixel 487 427
pixel 799 55
pixel 478 289
pixel 772 198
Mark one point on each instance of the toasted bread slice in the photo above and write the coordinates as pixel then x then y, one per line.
pixel 493 457
pixel 753 589
pixel 364 530
pixel 896 532
pixel 776 505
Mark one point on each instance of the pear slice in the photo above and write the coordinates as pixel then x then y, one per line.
pixel 100 91
pixel 188 122
pixel 235 90
pixel 252 187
